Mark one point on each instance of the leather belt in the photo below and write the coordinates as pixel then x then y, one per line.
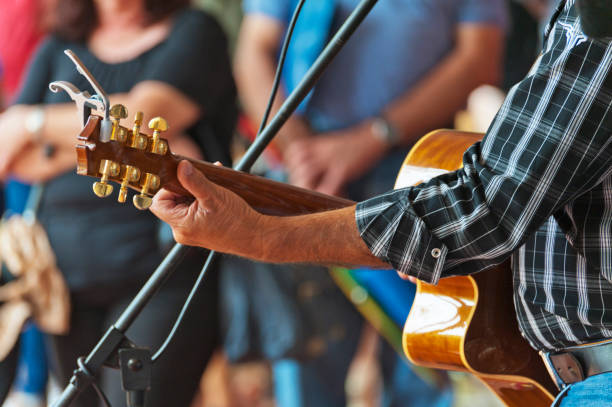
pixel 576 363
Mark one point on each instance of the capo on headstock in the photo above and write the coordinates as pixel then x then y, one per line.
pixel 110 151
pixel 84 101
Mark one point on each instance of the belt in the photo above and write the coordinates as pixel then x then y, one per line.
pixel 576 363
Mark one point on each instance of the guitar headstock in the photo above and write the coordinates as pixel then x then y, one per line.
pixel 130 158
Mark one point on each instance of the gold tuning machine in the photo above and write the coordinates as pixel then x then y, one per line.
pixel 143 201
pixel 118 112
pixel 158 125
pixel 107 168
pixel 132 174
pixel 138 141
pixel 137 122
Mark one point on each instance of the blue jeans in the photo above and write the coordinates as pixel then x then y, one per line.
pixel 32 371
pixel 320 382
pixel 595 391
pixel 316 382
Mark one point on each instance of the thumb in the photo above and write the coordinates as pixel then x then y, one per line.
pixel 193 180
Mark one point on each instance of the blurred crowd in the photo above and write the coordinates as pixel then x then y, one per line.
pixel 257 334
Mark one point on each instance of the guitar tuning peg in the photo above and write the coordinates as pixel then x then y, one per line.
pixel 136 128
pixel 132 174
pixel 102 188
pixel 138 141
pixel 158 125
pixel 117 112
pixel 142 201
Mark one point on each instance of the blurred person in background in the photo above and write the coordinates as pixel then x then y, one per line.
pixel 229 15
pixel 407 69
pixel 9 364
pixel 524 37
pixel 162 58
pixel 17 44
pixel 426 231
pixel 524 40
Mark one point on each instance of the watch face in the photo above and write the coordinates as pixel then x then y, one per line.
pixel 382 130
pixel 379 128
pixel 34 121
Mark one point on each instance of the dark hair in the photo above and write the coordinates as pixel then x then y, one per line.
pixel 75 19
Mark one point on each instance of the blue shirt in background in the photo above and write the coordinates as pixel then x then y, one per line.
pixel 396 45
pixel 15 196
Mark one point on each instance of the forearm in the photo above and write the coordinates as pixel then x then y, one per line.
pixel 220 220
pixel 433 101
pixel 33 166
pixel 326 238
pixel 254 94
pixel 62 124
pixel 254 70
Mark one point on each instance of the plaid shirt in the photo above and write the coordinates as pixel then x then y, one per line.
pixel 538 188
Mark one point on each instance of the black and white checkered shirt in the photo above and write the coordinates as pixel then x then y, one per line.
pixel 538 188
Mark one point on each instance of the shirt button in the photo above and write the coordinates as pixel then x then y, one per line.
pixel 435 253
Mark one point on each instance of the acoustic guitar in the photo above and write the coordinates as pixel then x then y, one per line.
pixel 463 323
pixel 469 323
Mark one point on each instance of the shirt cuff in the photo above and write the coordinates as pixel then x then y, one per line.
pixel 393 233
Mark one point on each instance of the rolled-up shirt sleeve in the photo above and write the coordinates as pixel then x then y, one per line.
pixel 399 237
pixel 548 146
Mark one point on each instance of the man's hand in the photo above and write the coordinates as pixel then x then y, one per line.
pixel 15 137
pixel 408 278
pixel 220 220
pixel 216 219
pixel 328 161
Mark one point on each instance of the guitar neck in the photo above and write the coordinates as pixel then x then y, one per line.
pixel 264 195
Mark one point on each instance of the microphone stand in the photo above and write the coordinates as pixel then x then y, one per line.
pixel 114 345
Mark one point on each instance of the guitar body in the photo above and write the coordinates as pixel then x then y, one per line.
pixel 469 323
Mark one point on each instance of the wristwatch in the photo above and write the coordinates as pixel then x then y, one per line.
pixel 384 131
pixel 34 122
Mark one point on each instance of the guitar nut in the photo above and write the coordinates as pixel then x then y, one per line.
pixel 436 253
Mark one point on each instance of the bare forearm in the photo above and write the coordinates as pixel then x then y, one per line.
pixel 433 102
pixel 326 238
pixel 220 220
pixel 254 68
pixel 33 166
pixel 254 94
pixel 62 124
pixel 254 72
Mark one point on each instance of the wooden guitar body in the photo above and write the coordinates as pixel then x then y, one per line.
pixel 469 323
